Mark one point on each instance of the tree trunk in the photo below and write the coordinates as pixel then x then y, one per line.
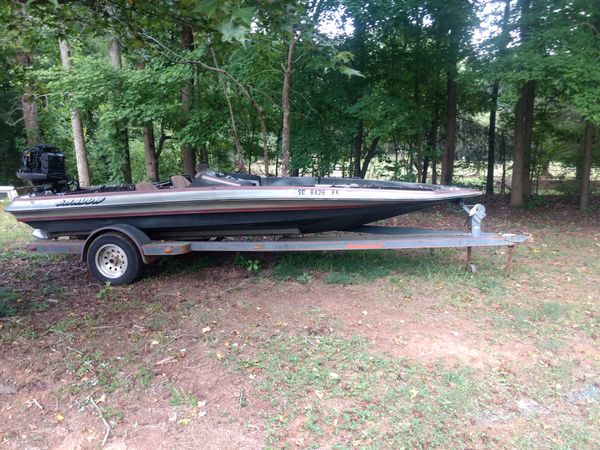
pixel 522 143
pixel 30 115
pixel 150 152
pixel 450 144
pixel 188 155
pixel 584 199
pixel 76 126
pixel 358 143
pixel 114 53
pixel 425 169
pixel 516 185
pixel 528 138
pixel 431 145
pixel 28 103
pixel 285 104
pixel 523 123
pixel 503 152
pixel 121 132
pixel 204 162
pixel 368 157
pixel 239 151
pixel 489 183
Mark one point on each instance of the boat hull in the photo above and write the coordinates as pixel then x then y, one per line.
pixel 226 223
pixel 215 211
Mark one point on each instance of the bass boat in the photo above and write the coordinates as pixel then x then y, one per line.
pixel 214 204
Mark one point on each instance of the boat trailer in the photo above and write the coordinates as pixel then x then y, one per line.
pixel 117 254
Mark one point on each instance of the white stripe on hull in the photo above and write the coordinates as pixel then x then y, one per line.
pixel 220 199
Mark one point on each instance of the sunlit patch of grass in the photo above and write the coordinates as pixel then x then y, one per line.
pixel 338 388
pixel 13 234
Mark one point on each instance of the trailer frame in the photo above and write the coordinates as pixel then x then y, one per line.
pixel 368 237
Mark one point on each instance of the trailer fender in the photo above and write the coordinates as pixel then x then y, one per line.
pixel 137 236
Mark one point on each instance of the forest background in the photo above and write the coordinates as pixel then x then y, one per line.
pixel 499 94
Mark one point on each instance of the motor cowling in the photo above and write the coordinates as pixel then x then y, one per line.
pixel 42 164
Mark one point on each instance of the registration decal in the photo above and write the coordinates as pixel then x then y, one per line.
pixel 317 192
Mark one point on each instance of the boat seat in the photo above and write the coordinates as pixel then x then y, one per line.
pixel 180 182
pixel 145 186
pixel 222 179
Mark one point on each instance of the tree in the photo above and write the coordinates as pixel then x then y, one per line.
pixel 523 119
pixel 285 104
pixel 188 154
pixel 584 199
pixel 454 17
pixel 121 132
pixel 76 124
pixel 25 61
pixel 503 39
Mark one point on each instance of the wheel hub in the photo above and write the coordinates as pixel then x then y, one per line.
pixel 111 261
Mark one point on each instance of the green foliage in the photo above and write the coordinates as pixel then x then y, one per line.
pixel 384 70
pixel 8 299
pixel 251 265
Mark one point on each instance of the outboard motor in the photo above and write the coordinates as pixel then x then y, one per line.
pixel 44 166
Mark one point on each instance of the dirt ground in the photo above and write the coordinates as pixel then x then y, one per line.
pixel 357 350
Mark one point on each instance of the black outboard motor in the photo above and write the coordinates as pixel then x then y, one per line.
pixel 44 166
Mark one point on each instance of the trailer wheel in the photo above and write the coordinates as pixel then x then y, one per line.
pixel 113 258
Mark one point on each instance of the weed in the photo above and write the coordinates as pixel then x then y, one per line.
pixel 107 293
pixel 241 399
pixel 111 413
pixel 179 397
pixel 154 307
pixel 64 326
pixel 251 265
pixel 144 377
pixel 158 322
pixel 39 306
pixel 304 278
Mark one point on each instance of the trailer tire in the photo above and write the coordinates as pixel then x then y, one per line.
pixel 113 258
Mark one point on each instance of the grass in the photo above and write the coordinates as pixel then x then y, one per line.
pixel 341 393
pixel 13 234
pixel 359 267
pixel 336 388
